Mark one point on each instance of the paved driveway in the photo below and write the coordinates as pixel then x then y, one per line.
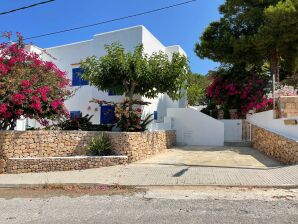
pixel 204 156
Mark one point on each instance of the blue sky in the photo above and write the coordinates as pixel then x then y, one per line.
pixel 182 25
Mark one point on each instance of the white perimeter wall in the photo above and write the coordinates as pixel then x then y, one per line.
pixel 265 120
pixel 195 128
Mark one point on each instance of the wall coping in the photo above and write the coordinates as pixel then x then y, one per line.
pixel 79 131
pixel 277 133
pixel 288 97
pixel 71 157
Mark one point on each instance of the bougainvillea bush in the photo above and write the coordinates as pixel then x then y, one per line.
pixel 244 93
pixel 128 115
pixel 29 86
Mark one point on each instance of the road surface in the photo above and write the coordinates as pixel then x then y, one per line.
pixel 156 206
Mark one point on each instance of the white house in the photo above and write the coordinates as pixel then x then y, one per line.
pixel 67 58
pixel 192 127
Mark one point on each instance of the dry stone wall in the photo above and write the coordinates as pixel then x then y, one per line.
pixel 19 150
pixel 287 106
pixel 279 147
pixel 26 165
pixel 141 145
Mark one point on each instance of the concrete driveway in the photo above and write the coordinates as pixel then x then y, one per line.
pixel 233 157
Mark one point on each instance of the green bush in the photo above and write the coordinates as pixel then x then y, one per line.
pixel 79 123
pixel 100 146
pixel 101 127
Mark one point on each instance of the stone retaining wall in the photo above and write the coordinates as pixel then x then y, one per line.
pixel 141 145
pixel 23 144
pixel 43 144
pixel 27 165
pixel 279 147
pixel 2 165
pixel 287 106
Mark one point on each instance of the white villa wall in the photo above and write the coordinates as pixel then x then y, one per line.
pixel 68 57
pixel 265 120
pixel 195 128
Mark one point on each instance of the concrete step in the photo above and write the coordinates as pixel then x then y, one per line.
pixel 239 144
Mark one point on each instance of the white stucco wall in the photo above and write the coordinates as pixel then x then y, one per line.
pixel 195 128
pixel 265 120
pixel 68 56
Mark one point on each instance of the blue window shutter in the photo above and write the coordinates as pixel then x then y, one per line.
pixel 76 79
pixel 107 114
pixel 155 115
pixel 111 93
pixel 75 114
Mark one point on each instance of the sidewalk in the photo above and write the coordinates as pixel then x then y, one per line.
pixel 163 175
pixel 183 166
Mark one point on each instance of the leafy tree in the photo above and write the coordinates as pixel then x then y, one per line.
pixel 136 73
pixel 196 88
pixel 277 37
pixel 29 87
pixel 253 32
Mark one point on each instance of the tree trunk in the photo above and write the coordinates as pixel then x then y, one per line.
pixel 275 64
pixel 130 95
pixel 274 69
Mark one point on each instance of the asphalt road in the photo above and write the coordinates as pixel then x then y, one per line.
pixel 150 208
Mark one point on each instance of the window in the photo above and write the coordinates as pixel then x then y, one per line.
pixel 75 114
pixel 76 79
pixel 155 115
pixel 112 93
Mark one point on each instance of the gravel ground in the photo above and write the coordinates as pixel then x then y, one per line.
pixel 157 205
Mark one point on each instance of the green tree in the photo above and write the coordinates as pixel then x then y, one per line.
pixel 196 88
pixel 277 37
pixel 229 40
pixel 136 73
pixel 253 32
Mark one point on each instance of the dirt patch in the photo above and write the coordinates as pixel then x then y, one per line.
pixel 48 191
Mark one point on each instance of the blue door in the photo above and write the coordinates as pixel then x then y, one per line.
pixel 107 114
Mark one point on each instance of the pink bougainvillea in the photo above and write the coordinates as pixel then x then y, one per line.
pixel 29 86
pixel 243 95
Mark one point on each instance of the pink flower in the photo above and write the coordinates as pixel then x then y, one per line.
pixel 3 108
pixel 18 98
pixel 139 110
pixel 36 106
pixel 25 83
pixel 49 65
pixel 43 92
pixel 19 112
pixel 7 114
pixel 56 104
pixel 12 61
pixel 3 69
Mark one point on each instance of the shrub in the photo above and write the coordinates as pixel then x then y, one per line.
pixel 79 123
pixel 128 115
pixel 29 86
pixel 101 127
pixel 131 120
pixel 100 146
pixel 241 89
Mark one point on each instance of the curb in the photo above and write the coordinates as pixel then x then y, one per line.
pixel 22 186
